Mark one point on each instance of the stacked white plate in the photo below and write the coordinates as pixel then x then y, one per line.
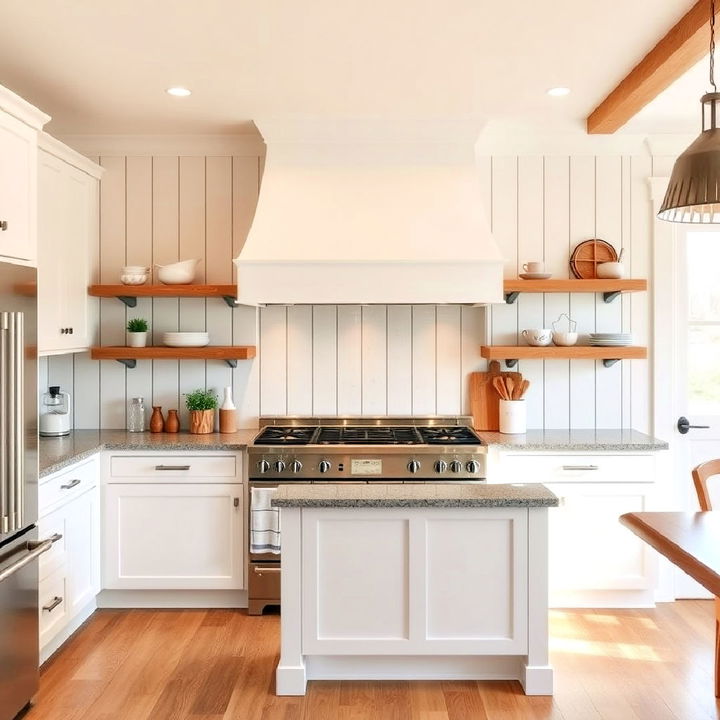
pixel 610 339
pixel 185 339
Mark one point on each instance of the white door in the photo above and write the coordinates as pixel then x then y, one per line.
pixel 697 363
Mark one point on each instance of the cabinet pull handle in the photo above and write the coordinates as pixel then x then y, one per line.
pixel 73 483
pixel 236 502
pixel 51 606
pixel 172 467
pixel 263 570
pixel 3 225
pixel 580 467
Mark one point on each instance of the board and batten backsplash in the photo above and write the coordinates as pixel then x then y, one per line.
pixel 376 359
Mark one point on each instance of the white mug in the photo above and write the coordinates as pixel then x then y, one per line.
pixel 539 338
pixel 534 267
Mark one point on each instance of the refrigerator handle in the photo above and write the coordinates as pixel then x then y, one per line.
pixel 4 431
pixel 35 548
pixel 19 437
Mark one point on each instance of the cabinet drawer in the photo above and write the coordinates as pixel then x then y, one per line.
pixel 56 556
pixel 52 605
pixel 174 468
pixel 67 485
pixel 577 468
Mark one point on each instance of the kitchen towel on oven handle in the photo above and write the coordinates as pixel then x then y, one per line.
pixel 264 522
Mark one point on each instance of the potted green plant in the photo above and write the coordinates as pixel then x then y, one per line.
pixel 202 405
pixel 137 330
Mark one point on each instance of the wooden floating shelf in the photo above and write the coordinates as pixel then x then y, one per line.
pixel 609 355
pixel 129 293
pixel 609 288
pixel 129 355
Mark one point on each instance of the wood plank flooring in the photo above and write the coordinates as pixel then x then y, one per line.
pixel 219 665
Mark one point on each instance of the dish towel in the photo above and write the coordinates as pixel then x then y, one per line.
pixel 264 522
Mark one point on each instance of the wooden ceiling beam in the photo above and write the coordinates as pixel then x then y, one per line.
pixel 683 46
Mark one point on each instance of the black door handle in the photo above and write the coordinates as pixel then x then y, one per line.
pixel 683 426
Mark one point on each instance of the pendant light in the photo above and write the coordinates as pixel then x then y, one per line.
pixel 693 195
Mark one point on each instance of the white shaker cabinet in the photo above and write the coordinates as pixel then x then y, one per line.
pixel 70 571
pixel 67 236
pixel 593 560
pixel 19 125
pixel 174 522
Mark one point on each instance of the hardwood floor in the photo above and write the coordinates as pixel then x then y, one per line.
pixel 219 665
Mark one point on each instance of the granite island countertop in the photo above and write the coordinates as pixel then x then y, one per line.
pixel 58 453
pixel 609 440
pixel 377 495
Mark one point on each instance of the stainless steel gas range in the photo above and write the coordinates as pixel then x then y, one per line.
pixel 355 450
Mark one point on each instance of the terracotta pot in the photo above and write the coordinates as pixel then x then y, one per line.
pixel 156 420
pixel 172 424
pixel 202 421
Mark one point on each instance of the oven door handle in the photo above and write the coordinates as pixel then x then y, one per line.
pixel 264 570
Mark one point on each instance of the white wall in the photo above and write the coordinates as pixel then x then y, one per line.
pixel 373 359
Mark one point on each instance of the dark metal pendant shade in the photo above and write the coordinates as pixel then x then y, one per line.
pixel 693 195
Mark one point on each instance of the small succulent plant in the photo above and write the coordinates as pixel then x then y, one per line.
pixel 137 325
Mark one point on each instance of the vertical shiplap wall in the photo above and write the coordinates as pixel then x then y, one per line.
pixel 160 210
pixel 540 209
pixel 373 359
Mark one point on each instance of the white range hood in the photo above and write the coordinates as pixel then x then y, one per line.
pixel 367 223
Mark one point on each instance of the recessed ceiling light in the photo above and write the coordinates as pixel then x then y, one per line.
pixel 178 91
pixel 558 91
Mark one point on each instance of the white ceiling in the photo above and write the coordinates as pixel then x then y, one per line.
pixel 101 66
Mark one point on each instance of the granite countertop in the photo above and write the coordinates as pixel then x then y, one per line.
pixel 410 495
pixel 575 441
pixel 57 453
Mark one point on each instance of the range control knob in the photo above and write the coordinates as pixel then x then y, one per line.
pixel 324 466
pixel 456 466
pixel 413 466
pixel 263 466
pixel 296 466
pixel 440 466
pixel 279 466
pixel 473 466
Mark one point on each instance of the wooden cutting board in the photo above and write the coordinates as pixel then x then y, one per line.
pixel 484 399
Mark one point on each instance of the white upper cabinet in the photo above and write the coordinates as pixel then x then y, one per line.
pixel 19 125
pixel 67 234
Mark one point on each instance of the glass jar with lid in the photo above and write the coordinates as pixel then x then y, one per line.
pixel 136 415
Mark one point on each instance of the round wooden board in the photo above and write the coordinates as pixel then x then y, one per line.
pixel 588 255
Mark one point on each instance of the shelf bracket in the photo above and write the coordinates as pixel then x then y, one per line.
pixel 129 363
pixel 511 297
pixel 511 362
pixel 231 363
pixel 608 297
pixel 129 300
pixel 230 301
pixel 609 362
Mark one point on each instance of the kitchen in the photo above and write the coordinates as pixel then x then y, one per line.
pixel 351 314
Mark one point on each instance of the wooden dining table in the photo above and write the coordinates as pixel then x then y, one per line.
pixel 690 540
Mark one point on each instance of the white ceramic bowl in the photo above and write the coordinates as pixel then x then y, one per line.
pixel 179 273
pixel 135 269
pixel 133 278
pixel 186 339
pixel 539 337
pixel 611 270
pixel 564 339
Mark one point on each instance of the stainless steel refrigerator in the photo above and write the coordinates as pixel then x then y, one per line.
pixel 19 543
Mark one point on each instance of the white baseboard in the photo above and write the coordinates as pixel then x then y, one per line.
pixel 606 599
pixel 51 647
pixel 172 599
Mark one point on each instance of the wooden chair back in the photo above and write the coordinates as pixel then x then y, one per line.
pixel 700 476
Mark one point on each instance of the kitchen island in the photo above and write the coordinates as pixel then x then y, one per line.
pixel 411 582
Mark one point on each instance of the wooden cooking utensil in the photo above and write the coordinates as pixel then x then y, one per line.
pixel 499 385
pixel 524 388
pixel 510 386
